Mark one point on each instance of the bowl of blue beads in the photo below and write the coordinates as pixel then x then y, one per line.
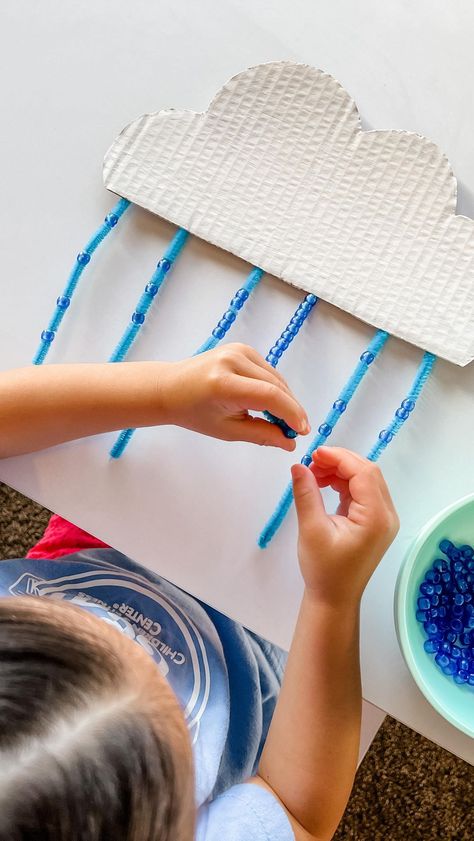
pixel 434 613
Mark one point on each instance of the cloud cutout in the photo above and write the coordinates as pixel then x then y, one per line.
pixel 279 172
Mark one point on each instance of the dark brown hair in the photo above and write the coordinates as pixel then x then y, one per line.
pixel 80 760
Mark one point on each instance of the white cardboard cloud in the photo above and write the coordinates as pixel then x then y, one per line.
pixel 278 172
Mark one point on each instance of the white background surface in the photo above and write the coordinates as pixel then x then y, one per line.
pixel 72 76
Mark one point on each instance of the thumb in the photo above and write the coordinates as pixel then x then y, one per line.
pixel 308 501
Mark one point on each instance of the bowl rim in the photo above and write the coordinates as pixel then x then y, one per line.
pixel 400 603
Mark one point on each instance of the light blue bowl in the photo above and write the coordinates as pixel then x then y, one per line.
pixel 454 702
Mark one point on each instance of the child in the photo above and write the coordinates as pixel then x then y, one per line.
pixel 128 709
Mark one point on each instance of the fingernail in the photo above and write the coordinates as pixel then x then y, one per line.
pixel 305 428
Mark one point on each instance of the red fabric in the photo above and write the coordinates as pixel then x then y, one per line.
pixel 63 538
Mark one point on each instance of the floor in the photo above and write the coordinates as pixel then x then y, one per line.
pixel 406 789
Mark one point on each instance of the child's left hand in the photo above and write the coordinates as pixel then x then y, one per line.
pixel 212 393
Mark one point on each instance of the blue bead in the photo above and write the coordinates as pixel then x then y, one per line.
pixel 340 406
pixel 311 299
pixel 426 589
pixel 230 316
pixel 367 357
pixel 431 628
pixel 306 460
pixel 431 646
pixel 456 625
pixel 271 359
pixel 463 664
pixel 442 660
pixel 164 265
pixel 470 622
pixel 446 546
pixel 151 288
pixel 282 343
pixel 63 302
pixel 402 413
pixel 458 598
pixel 223 323
pixel 276 351
pixel 410 405
pixel 242 294
pixel 434 600
pixel 423 603
pixel 470 679
pixel 236 303
pixel 422 616
pixel 386 436
pixel 293 328
pixel 83 258
pixel 440 565
pixel 461 677
pixel 451 668
pixel 287 335
pixel 451 637
pixel 456 652
pixel 325 429
pixel 445 577
pixel 467 552
pixel 218 332
pixel 138 317
pixel 111 220
pixel 431 576
pixel 48 335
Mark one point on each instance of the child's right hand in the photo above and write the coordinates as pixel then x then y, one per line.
pixel 338 553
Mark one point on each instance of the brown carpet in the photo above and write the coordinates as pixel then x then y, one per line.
pixel 407 789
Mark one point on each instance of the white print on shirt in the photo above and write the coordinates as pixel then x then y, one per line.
pixel 61 587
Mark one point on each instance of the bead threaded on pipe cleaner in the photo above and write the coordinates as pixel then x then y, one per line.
pixel 82 260
pixel 275 353
pixel 228 318
pixel 149 294
pixel 338 408
pixel 405 409
pixel 238 301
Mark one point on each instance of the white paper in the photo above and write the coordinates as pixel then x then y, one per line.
pixel 278 172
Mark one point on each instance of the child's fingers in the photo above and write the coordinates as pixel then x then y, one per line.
pixel 257 431
pixel 308 501
pixel 364 478
pixel 328 454
pixel 250 369
pixel 262 363
pixel 260 395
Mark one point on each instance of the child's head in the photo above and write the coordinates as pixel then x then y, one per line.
pixel 93 743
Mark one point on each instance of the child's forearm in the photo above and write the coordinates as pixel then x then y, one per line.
pixel 310 755
pixel 211 393
pixel 40 407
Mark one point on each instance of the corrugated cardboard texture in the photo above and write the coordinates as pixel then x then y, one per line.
pixel 278 172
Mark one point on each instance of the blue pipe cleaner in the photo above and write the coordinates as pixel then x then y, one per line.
pixel 338 407
pixel 222 327
pixel 406 407
pixel 276 352
pixel 151 290
pixel 236 304
pixel 82 259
